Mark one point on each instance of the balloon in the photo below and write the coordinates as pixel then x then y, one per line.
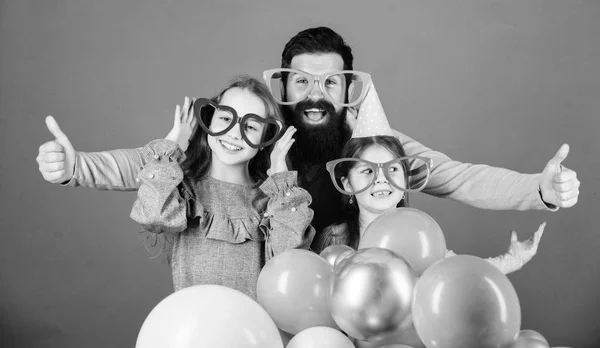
pixel 320 337
pixel 208 316
pixel 342 257
pixel 464 301
pixel 396 346
pixel 528 343
pixel 531 334
pixel 332 252
pixel 410 233
pixel 371 294
pixel 293 287
pixel 407 337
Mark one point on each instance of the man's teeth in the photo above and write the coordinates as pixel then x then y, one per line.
pixel 379 193
pixel 315 110
pixel 230 146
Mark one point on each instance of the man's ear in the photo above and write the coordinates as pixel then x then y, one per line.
pixel 350 90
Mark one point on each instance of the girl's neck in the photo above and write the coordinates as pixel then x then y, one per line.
pixel 235 174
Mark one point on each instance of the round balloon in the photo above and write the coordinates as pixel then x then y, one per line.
pixel 531 334
pixel 293 287
pixel 464 301
pixel 528 343
pixel 406 337
pixel 320 337
pixel 332 252
pixel 208 316
pixel 342 257
pixel 410 233
pixel 371 294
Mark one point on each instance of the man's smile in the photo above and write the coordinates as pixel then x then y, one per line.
pixel 315 116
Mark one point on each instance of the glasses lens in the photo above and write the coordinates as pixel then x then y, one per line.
pixel 213 119
pixel 357 174
pixel 409 174
pixel 260 131
pixel 336 85
pixel 289 86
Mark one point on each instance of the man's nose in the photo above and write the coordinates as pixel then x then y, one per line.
pixel 316 92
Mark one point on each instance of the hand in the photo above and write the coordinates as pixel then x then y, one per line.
pixel 280 150
pixel 559 185
pixel 351 118
pixel 525 250
pixel 56 158
pixel 184 124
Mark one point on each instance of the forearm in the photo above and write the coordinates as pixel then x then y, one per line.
pixel 159 206
pixel 481 186
pixel 288 216
pixel 115 170
pixel 506 263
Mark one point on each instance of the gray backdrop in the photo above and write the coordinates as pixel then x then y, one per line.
pixel 496 82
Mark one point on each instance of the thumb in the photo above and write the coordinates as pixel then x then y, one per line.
pixel 513 237
pixel 53 127
pixel 560 155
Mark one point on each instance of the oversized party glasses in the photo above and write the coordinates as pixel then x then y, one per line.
pixel 290 86
pixel 409 174
pixel 216 120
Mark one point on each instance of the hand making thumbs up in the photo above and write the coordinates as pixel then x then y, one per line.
pixel 559 185
pixel 56 158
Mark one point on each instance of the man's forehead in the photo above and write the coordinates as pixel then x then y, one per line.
pixel 317 64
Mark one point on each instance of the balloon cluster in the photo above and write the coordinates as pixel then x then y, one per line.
pixel 396 291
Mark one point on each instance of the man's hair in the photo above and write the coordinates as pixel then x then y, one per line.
pixel 319 40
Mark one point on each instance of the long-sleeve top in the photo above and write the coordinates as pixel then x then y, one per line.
pixel 223 233
pixel 339 235
pixel 478 185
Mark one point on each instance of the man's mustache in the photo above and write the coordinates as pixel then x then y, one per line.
pixel 308 104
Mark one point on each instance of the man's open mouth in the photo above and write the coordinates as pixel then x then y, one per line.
pixel 315 115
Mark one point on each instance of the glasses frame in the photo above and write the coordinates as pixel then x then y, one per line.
pixel 376 166
pixel 202 102
pixel 320 80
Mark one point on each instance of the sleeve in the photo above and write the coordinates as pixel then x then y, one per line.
pixel 160 206
pixel 478 185
pixel 506 263
pixel 108 170
pixel 286 222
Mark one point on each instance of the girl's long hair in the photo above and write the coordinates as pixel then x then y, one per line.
pixel 354 149
pixel 198 154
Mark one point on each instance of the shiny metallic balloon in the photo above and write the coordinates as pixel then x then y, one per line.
pixel 371 294
pixel 342 257
pixel 531 334
pixel 332 252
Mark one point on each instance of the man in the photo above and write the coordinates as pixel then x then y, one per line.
pixel 320 112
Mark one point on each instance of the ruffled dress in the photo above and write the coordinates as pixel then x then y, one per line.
pixel 223 233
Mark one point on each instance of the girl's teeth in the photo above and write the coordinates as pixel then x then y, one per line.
pixel 379 193
pixel 230 146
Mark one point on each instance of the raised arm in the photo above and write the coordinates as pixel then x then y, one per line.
pixel 518 254
pixel 286 223
pixel 487 187
pixel 59 163
pixel 159 206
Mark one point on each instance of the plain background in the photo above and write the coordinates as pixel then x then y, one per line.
pixel 503 83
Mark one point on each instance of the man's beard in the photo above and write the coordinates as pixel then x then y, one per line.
pixel 317 143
